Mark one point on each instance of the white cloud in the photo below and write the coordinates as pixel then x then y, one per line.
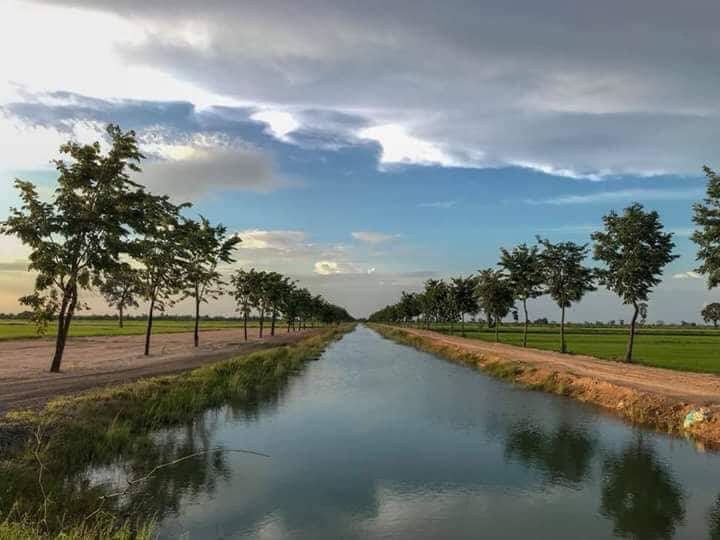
pixel 621 195
pixel 398 146
pixel 690 274
pixel 438 204
pixel 280 123
pixel 276 240
pixel 373 237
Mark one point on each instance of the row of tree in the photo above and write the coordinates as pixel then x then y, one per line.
pixel 103 230
pixel 632 246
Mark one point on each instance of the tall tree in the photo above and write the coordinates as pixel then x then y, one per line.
pixel 565 278
pixel 523 272
pixel 706 215
pixel 711 313
pixel 276 288
pixel 496 296
pixel 81 232
pixel 206 247
pixel 245 287
pixel 121 287
pixel 635 250
pixel 162 255
pixel 465 297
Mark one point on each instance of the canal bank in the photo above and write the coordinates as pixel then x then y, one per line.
pixel 46 451
pixel 679 403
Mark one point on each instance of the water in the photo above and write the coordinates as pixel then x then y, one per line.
pixel 378 440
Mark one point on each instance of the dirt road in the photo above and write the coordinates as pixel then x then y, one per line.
pixel 699 388
pixel 97 361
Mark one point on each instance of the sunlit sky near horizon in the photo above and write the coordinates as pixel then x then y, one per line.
pixel 364 147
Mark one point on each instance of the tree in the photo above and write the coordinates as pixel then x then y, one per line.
pixel 496 296
pixel 711 313
pixel 707 216
pixel 635 250
pixel 565 278
pixel 276 288
pixel 163 255
pixel 245 286
pixel 81 232
pixel 521 266
pixel 120 288
pixel 206 247
pixel 465 298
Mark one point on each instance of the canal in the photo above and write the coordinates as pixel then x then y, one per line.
pixel 378 440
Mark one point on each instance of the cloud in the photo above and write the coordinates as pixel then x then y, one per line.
pixel 548 86
pixel 438 204
pixel 690 274
pixel 197 171
pixel 621 195
pixel 371 237
pixel 279 240
pixel 326 268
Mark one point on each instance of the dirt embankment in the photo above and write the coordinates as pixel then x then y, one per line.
pixel 655 397
pixel 90 362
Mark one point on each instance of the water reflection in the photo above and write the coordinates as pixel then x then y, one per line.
pixel 564 454
pixel 714 520
pixel 640 494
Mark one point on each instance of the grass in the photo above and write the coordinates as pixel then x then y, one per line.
pixel 117 424
pixel 24 329
pixel 672 347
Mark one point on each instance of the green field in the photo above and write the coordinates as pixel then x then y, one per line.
pixel 21 329
pixel 673 347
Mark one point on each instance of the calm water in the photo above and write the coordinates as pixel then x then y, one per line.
pixel 378 440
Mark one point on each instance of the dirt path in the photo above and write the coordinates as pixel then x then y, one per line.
pixel 699 388
pixel 97 361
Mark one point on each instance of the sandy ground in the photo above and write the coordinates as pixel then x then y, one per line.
pixel 700 388
pixel 97 361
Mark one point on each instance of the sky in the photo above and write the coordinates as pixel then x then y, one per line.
pixel 365 147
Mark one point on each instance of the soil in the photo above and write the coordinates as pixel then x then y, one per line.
pixel 656 397
pixel 89 362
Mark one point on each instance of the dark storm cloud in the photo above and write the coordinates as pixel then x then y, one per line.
pixel 573 87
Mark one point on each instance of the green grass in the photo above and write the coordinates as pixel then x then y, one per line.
pixel 672 347
pixel 22 329
pixel 118 424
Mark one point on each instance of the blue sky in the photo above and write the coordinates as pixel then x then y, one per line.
pixel 365 151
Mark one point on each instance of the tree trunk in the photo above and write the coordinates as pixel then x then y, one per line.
pixel 462 318
pixel 120 315
pixel 272 322
pixel 196 335
pixel 60 338
pixel 148 330
pixel 497 329
pixel 262 321
pixel 631 337
pixel 245 318
pixel 525 332
pixel 563 346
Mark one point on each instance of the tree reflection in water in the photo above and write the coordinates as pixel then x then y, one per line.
pixel 564 454
pixel 640 495
pixel 714 520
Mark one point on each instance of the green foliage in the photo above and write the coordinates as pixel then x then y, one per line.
pixel 706 215
pixel 205 246
pixel 121 287
pixel 635 250
pixel 81 232
pixel 495 294
pixel 711 313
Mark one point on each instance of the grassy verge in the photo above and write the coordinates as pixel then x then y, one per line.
pixel 657 412
pixel 679 348
pixel 43 487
